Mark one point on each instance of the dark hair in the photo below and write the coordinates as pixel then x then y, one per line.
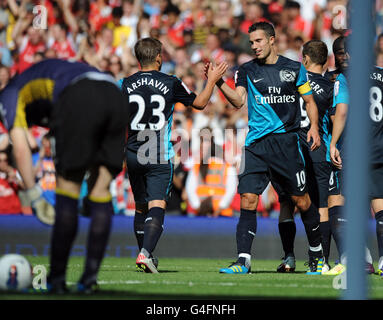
pixel 117 12
pixel 339 44
pixel 172 9
pixel 316 50
pixel 146 50
pixel 292 5
pixel 265 26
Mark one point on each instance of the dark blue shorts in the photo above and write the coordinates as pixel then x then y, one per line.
pixel 89 126
pixel 150 181
pixel 318 176
pixel 335 184
pixel 277 158
pixel 376 182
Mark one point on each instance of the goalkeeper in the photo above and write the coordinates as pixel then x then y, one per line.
pixel 85 111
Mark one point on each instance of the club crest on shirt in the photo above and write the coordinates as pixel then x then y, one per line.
pixel 287 75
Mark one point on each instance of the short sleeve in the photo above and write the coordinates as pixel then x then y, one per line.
pixel 341 94
pixel 302 83
pixel 182 93
pixel 119 83
pixel 240 78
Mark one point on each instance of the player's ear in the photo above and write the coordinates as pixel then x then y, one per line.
pixel 159 59
pixel 305 60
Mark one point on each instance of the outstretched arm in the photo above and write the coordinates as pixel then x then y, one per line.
pixel 236 97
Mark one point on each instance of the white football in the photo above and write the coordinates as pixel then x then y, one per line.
pixel 15 273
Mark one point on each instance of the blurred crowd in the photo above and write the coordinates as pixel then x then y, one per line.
pixel 102 33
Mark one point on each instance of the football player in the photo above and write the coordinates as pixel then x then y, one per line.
pixel 151 97
pixel 86 113
pixel 318 164
pixel 272 85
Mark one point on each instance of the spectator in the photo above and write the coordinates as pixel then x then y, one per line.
pixel 100 14
pixel 104 44
pixel 33 41
pixel 10 183
pixel 379 60
pixel 224 15
pixel 4 21
pixel 45 170
pixel 253 13
pixel 298 25
pixel 121 33
pixel 61 44
pixel 212 183
pixel 4 76
pixel 4 137
pixel 115 67
pixel 130 16
pixel 182 62
pixel 212 51
pixel 204 26
pixel 379 44
pixel 174 27
pixel 275 10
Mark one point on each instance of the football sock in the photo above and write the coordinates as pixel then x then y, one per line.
pixel 63 234
pixel 380 263
pixel 379 231
pixel 246 229
pixel 244 259
pixel 337 225
pixel 368 256
pixel 310 219
pixel 287 231
pixel 153 228
pixel 101 214
pixel 325 230
pixel 138 225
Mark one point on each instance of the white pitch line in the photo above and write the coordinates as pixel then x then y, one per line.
pixel 223 284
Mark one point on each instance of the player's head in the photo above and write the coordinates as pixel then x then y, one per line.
pixel 314 52
pixel 262 37
pixel 148 52
pixel 341 54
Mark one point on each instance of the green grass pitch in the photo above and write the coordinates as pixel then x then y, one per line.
pixel 189 278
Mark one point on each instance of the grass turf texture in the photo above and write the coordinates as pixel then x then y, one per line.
pixel 197 279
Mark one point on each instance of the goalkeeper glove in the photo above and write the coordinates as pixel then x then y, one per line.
pixel 43 210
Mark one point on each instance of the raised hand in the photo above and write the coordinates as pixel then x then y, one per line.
pixel 216 73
